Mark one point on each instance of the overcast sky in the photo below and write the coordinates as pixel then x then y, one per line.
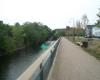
pixel 54 13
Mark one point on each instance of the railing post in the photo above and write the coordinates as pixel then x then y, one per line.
pixel 41 72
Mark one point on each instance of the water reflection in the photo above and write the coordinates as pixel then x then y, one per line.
pixel 12 66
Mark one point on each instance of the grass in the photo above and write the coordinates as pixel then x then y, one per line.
pixel 93 46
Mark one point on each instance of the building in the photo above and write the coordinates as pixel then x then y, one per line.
pixel 61 30
pixel 96 32
pixel 92 31
pixel 88 31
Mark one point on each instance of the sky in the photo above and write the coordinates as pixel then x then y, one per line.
pixel 54 13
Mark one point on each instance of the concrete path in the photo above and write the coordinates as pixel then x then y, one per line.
pixel 72 63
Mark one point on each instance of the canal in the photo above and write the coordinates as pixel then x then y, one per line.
pixel 13 66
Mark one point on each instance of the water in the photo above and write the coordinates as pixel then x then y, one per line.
pixel 13 66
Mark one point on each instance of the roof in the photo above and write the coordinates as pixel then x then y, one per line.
pixel 89 26
pixel 61 30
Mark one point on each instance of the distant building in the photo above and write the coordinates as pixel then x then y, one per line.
pixel 88 30
pixel 92 31
pixel 96 31
pixel 61 30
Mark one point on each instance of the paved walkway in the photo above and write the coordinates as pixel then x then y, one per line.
pixel 72 63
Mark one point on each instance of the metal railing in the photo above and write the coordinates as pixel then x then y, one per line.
pixel 42 65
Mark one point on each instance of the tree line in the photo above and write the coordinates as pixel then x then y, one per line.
pixel 81 24
pixel 15 37
pixel 84 21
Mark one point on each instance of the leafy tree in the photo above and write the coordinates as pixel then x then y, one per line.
pixel 17 24
pixel 18 37
pixel 35 33
pixel 56 34
pixel 98 21
pixel 6 43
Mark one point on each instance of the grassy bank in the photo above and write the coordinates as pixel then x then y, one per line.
pixel 93 46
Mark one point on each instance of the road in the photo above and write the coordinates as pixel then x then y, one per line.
pixel 72 63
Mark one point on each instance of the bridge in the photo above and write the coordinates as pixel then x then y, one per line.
pixel 63 61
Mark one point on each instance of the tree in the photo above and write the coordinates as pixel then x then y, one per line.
pixel 15 37
pixel 78 24
pixel 36 33
pixel 56 34
pixel 17 24
pixel 6 43
pixel 98 21
pixel 79 29
pixel 85 20
pixel 18 38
